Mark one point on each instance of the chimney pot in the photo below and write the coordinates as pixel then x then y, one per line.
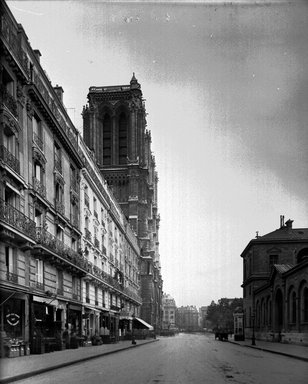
pixel 59 91
pixel 281 221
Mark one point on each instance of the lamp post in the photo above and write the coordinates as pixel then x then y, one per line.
pixel 253 339
pixel 133 334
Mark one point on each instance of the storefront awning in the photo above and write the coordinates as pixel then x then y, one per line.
pixel 143 324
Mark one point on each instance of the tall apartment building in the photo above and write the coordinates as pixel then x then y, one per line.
pixel 187 318
pixel 68 257
pixel 275 285
pixel 115 129
pixel 169 312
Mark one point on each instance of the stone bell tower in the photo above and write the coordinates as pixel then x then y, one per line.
pixel 115 129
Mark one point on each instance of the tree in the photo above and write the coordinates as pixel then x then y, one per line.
pixel 221 314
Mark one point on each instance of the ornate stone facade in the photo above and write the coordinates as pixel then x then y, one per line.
pixel 115 130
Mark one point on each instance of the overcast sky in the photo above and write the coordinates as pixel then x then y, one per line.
pixel 226 94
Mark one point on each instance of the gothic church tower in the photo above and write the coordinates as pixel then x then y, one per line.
pixel 115 130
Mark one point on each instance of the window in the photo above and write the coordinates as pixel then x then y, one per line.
pixel 95 207
pixel 58 159
pixel 74 178
pixel 37 132
pixel 305 305
pixel 10 263
pixel 122 139
pixel 87 292
pixel 39 271
pixel 38 218
pixel 59 282
pixel 107 140
pixel 11 197
pixel 60 233
pixel 273 259
pixel 96 296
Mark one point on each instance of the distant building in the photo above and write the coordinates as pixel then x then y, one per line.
pixel 275 285
pixel 169 312
pixel 187 318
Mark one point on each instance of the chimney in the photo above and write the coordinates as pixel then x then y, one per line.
pixel 289 224
pixel 59 91
pixel 37 54
pixel 281 221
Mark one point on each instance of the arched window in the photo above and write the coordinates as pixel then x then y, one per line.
pixel 302 254
pixel 305 305
pixel 107 140
pixel 122 138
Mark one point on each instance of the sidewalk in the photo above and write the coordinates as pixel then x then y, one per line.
pixel 12 369
pixel 291 350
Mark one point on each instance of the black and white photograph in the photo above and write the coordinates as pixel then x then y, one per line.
pixel 154 191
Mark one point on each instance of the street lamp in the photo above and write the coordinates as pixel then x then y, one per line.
pixel 253 339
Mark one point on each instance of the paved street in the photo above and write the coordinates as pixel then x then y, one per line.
pixel 183 359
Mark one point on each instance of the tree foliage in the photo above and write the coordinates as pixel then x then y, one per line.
pixel 221 314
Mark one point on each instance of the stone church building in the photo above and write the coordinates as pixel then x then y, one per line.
pixel 115 130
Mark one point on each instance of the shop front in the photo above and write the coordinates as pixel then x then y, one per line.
pixel 45 325
pixel 14 320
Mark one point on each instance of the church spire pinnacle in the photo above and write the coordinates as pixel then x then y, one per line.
pixel 134 82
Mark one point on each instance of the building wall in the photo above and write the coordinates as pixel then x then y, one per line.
pixel 272 272
pixel 47 258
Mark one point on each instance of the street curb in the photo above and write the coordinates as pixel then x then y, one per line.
pixel 271 351
pixel 62 365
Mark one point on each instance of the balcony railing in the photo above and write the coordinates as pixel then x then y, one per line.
pixel 59 206
pixel 39 187
pixel 87 234
pixel 38 285
pixel 16 219
pixel 9 159
pixel 38 141
pixel 13 277
pixel 9 101
pixel 57 246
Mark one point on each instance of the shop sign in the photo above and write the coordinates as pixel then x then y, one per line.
pixel 12 319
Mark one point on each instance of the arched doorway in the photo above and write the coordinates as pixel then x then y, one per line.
pixel 278 311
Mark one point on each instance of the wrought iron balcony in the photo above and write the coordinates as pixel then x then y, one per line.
pixel 39 187
pixel 59 206
pixel 38 285
pixel 13 217
pixel 13 277
pixel 57 246
pixel 9 101
pixel 87 234
pixel 9 159
pixel 38 141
